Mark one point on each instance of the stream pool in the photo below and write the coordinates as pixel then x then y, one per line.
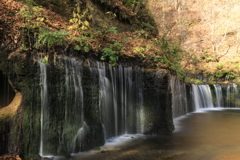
pixel 205 135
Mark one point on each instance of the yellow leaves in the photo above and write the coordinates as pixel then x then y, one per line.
pixel 80 18
pixel 138 50
pixel 90 17
pixel 74 14
pixel 74 20
pixel 111 14
pixel 78 8
pixel 84 27
pixel 72 27
pixel 85 13
pixel 86 23
pixel 41 19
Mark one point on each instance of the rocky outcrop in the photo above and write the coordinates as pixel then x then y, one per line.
pixel 157 100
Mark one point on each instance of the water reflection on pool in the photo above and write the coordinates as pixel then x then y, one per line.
pixel 208 135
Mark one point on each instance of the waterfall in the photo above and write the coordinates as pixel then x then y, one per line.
pixel 85 102
pixel 138 86
pixel 179 98
pixel 232 96
pixel 202 96
pixel 219 97
pixel 113 74
pixel 106 102
pixel 64 103
pixel 224 95
pixel 44 103
pixel 119 114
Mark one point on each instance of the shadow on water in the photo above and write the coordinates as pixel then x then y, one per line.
pixel 210 135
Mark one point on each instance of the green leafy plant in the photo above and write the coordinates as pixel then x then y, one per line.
pixel 89 33
pixel 231 75
pixel 110 53
pixel 220 66
pixel 147 25
pixel 111 30
pixel 47 38
pixel 219 74
pixel 81 44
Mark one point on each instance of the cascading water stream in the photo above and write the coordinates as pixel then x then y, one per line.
pixel 202 96
pixel 63 124
pixel 138 85
pixel 219 97
pixel 232 97
pixel 68 134
pixel 105 101
pixel 116 99
pixel 44 103
pixel 114 91
pixel 179 98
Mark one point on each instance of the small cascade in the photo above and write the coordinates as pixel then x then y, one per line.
pixel 113 78
pixel 44 104
pixel 121 107
pixel 219 96
pixel 62 120
pixel 127 96
pixel 179 98
pixel 202 96
pixel 138 89
pixel 106 102
pixel 232 96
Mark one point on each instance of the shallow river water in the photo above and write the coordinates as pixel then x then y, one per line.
pixel 208 135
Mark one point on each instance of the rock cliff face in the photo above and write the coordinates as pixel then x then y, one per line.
pixel 157 100
pixel 70 105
